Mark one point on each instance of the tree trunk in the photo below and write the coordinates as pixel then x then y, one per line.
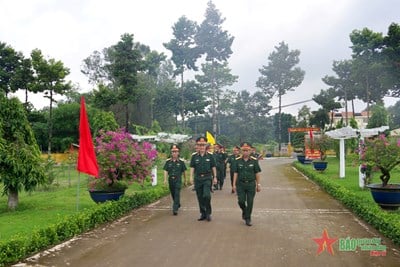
pixel 50 123
pixel 280 124
pixel 182 103
pixel 12 199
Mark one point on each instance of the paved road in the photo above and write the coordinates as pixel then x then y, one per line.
pixel 289 213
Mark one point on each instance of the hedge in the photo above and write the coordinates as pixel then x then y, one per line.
pixel 20 247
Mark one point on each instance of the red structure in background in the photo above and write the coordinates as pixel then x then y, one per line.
pixel 308 152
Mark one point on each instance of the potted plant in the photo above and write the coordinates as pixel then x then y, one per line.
pixel 383 154
pixel 322 143
pixel 121 161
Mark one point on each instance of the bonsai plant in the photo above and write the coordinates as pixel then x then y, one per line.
pixel 383 154
pixel 322 143
pixel 121 161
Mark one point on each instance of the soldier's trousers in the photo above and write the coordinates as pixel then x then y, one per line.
pixel 203 192
pixel 220 177
pixel 175 190
pixel 246 193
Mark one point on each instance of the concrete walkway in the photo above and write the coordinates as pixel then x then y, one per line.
pixel 289 213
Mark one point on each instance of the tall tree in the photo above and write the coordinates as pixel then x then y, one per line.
pixel 216 44
pixel 184 52
pixel 49 78
pixel 368 68
pixel 125 61
pixel 15 71
pixel 280 76
pixel 215 77
pixel 342 84
pixel 391 52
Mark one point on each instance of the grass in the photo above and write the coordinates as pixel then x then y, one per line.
pixel 350 181
pixel 47 206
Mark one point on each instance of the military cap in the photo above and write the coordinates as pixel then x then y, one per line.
pixel 201 140
pixel 245 145
pixel 174 147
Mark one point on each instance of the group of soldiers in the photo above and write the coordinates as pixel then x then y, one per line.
pixel 208 172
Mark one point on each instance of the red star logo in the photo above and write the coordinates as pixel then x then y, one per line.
pixel 325 243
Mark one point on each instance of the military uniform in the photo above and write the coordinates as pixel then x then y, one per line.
pixel 231 159
pixel 220 159
pixel 246 171
pixel 174 169
pixel 203 168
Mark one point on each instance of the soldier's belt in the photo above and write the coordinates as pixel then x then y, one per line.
pixel 206 174
pixel 246 181
pixel 173 177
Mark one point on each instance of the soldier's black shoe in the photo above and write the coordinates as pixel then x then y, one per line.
pixel 202 218
pixel 208 217
pixel 248 222
pixel 175 213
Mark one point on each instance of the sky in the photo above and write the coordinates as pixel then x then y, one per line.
pixel 70 30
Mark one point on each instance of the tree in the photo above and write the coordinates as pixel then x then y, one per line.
pixel 20 163
pixel 391 53
pixel 15 71
pixel 319 118
pixel 215 77
pixel 216 44
pixel 367 67
pixel 280 76
pixel 125 61
pixel 342 85
pixel 326 99
pixel 49 78
pixel 124 73
pixel 184 52
pixel 379 117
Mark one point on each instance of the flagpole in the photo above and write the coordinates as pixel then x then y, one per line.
pixel 77 191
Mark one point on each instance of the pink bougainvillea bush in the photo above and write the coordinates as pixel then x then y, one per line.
pixel 121 160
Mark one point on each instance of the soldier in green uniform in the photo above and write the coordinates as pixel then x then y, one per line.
pixel 246 181
pixel 230 161
pixel 174 169
pixel 220 160
pixel 202 168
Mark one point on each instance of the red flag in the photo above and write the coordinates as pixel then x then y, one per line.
pixel 311 141
pixel 87 162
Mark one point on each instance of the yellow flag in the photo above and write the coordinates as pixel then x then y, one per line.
pixel 210 138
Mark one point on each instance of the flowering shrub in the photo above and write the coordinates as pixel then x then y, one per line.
pixel 381 153
pixel 121 160
pixel 322 143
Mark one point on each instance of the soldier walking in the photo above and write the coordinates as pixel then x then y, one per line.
pixel 203 169
pixel 230 161
pixel 246 181
pixel 220 160
pixel 174 168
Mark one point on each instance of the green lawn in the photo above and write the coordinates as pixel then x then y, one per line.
pixel 41 208
pixel 350 181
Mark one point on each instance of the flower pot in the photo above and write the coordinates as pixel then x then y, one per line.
pixel 387 197
pixel 320 165
pixel 301 158
pixel 103 196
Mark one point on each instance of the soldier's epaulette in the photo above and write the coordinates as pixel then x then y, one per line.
pixel 209 152
pixel 194 153
pixel 182 159
pixel 168 159
pixel 253 157
pixel 238 158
